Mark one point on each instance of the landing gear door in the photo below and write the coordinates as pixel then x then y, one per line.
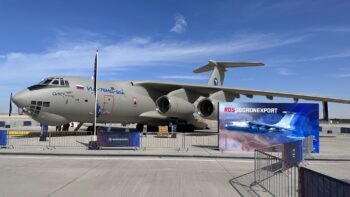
pixel 108 104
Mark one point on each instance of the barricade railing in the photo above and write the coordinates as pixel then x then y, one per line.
pixel 21 139
pixel 180 141
pixel 273 173
pixel 313 183
pixel 151 140
pixel 308 146
pixel 79 139
pixel 200 141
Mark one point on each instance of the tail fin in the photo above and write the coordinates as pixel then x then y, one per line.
pixel 287 120
pixel 219 69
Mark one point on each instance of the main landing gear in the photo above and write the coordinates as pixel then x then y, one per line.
pixel 181 127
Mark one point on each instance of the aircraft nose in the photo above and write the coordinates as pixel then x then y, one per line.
pixel 22 98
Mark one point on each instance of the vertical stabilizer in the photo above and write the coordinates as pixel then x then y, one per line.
pixel 219 68
pixel 287 121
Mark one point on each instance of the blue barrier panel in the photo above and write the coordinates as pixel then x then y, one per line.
pixel 313 183
pixel 344 130
pixel 293 152
pixel 118 139
pixel 3 138
pixel 43 132
pixel 27 123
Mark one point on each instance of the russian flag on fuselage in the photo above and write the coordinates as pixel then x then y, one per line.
pixel 80 87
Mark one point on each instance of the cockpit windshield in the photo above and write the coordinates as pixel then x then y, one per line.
pixel 50 82
pixel 45 81
pixel 54 82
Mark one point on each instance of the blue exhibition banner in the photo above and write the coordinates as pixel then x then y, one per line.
pixel 118 139
pixel 3 138
pixel 249 126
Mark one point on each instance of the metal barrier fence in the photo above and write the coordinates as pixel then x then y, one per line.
pixel 163 141
pixel 180 141
pixel 308 147
pixel 22 139
pixel 78 139
pixel 150 140
pixel 204 141
pixel 274 174
pixel 316 184
pixel 201 141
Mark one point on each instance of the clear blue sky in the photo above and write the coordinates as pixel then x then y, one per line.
pixel 305 44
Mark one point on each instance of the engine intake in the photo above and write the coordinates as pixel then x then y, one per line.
pixel 174 107
pixel 207 109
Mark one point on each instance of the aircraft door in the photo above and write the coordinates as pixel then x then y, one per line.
pixel 108 104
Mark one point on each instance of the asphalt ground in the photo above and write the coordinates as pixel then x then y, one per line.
pixel 199 171
pixel 129 176
pixel 106 176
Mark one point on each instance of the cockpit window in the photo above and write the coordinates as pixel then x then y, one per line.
pixel 50 82
pixel 55 82
pixel 45 81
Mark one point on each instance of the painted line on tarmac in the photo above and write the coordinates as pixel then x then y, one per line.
pixel 125 158
pixel 152 159
pixel 327 163
pixel 141 155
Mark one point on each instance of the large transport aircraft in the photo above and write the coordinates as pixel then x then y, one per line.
pixel 59 100
pixel 290 122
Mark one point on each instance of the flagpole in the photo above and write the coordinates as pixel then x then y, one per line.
pixel 95 91
pixel 10 110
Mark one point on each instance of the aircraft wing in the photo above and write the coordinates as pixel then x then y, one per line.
pixel 266 126
pixel 153 114
pixel 206 90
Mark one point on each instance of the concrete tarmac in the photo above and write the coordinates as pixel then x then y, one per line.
pixel 96 176
pixel 27 170
pixel 130 176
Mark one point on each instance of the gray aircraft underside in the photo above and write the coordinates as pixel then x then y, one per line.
pixel 62 99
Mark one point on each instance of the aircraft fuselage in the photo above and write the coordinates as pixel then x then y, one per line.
pixel 118 102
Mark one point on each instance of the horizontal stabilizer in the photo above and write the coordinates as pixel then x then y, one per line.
pixel 210 66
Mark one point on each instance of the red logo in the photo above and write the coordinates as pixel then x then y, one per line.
pixel 230 109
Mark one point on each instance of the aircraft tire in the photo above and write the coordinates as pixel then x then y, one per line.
pixel 152 128
pixel 185 128
pixel 90 128
pixel 189 128
pixel 139 127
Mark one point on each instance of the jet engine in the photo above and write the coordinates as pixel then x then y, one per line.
pixel 207 108
pixel 174 107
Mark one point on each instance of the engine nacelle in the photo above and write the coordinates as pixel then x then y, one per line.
pixel 207 108
pixel 174 107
